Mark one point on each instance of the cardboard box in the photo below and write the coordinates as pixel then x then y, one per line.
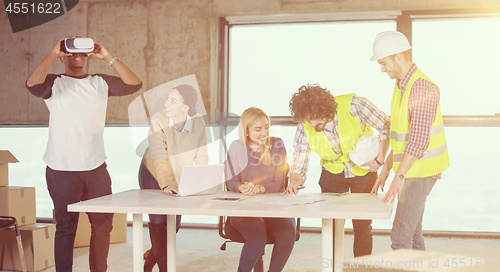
pixel 118 234
pixel 18 202
pixel 38 245
pixel 5 158
pixel 406 260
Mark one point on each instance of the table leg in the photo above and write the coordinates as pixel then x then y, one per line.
pixel 327 246
pixel 171 233
pixel 339 245
pixel 137 233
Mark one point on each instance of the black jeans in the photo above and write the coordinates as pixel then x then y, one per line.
pixel 337 183
pixel 68 187
pixel 157 222
pixel 255 231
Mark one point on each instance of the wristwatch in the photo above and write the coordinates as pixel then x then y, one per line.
pixel 401 176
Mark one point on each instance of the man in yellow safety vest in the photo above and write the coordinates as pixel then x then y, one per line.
pixel 419 152
pixel 330 126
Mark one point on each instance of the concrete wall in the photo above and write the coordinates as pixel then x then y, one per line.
pixel 160 40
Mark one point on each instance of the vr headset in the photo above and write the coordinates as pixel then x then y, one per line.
pixel 77 46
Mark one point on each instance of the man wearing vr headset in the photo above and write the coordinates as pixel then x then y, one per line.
pixel 75 151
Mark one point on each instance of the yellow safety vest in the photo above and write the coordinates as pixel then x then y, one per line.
pixel 435 159
pixel 349 129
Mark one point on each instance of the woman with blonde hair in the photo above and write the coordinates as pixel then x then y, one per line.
pixel 257 165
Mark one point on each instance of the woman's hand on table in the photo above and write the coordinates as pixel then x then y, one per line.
pixel 171 189
pixel 250 189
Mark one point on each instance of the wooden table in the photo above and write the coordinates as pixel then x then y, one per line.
pixel 139 202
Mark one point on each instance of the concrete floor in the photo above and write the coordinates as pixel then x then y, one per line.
pixel 198 250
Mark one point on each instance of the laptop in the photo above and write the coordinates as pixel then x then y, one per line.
pixel 201 180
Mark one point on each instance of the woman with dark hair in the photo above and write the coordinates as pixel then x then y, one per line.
pixel 257 165
pixel 176 138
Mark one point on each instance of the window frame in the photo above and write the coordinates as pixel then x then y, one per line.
pixel 404 20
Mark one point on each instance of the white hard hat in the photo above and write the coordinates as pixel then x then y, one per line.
pixel 365 150
pixel 389 43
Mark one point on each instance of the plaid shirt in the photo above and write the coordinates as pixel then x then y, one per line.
pixel 422 107
pixel 361 109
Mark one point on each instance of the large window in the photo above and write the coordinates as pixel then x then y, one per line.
pixel 462 57
pixel 269 62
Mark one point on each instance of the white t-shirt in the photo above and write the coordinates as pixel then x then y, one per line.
pixel 77 117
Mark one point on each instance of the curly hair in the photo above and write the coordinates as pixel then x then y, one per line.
pixel 314 102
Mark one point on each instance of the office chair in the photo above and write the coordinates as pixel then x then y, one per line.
pixel 7 222
pixel 231 234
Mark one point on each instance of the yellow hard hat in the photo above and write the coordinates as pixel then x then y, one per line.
pixel 388 43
